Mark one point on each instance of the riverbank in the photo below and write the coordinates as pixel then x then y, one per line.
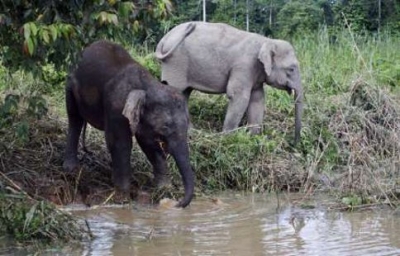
pixel 359 157
pixel 350 145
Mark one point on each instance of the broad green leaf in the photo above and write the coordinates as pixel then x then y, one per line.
pixel 45 36
pixel 63 29
pixel 125 9
pixel 72 30
pixel 27 31
pixel 102 17
pixel 34 28
pixel 112 18
pixel 53 31
pixel 31 47
pixel 136 26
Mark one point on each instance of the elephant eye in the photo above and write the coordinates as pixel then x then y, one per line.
pixel 290 69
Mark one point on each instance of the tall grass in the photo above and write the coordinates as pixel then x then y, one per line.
pixel 352 108
pixel 329 62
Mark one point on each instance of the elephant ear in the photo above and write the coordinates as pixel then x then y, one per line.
pixel 133 107
pixel 266 55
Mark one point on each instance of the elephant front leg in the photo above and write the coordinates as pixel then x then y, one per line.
pixel 119 143
pixel 255 111
pixel 75 124
pixel 157 157
pixel 238 97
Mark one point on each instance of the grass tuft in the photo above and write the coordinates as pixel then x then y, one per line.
pixel 28 219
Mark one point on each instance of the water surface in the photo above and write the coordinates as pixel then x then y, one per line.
pixel 237 224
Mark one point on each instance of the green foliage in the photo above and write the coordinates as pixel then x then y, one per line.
pixel 229 161
pixel 225 12
pixel 207 111
pixel 45 37
pixel 146 58
pixel 282 18
pixel 353 12
pixel 352 201
pixel 53 79
pixel 305 17
pixel 18 110
pixel 367 14
pixel 33 33
pixel 25 219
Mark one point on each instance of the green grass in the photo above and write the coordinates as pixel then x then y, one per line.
pixel 27 219
pixel 329 67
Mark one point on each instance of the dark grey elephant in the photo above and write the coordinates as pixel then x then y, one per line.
pixel 218 58
pixel 114 93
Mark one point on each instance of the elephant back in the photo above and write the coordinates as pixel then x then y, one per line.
pixel 100 62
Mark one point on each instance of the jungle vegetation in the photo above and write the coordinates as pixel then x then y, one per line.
pixel 349 55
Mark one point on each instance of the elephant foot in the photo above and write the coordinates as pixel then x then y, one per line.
pixel 70 165
pixel 122 184
pixel 121 196
pixel 255 129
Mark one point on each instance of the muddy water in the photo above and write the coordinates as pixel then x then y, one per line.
pixel 240 225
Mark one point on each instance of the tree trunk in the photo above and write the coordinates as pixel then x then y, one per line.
pixel 247 15
pixel 204 10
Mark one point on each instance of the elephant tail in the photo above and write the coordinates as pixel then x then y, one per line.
pixel 162 56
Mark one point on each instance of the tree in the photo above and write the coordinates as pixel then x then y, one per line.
pixel 230 12
pixel 54 31
pixel 298 17
pixel 369 15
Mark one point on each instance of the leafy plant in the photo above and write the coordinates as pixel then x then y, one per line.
pixel 26 219
pixel 33 33
pixel 16 110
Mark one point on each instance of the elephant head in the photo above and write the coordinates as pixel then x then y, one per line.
pixel 282 71
pixel 159 119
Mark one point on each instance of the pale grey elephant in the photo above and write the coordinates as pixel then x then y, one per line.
pixel 218 58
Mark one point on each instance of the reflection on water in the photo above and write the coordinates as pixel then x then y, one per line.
pixel 239 225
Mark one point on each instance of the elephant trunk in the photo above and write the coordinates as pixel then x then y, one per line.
pixel 298 98
pixel 179 150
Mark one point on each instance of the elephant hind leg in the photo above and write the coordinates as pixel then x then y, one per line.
pixel 75 123
pixel 255 110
